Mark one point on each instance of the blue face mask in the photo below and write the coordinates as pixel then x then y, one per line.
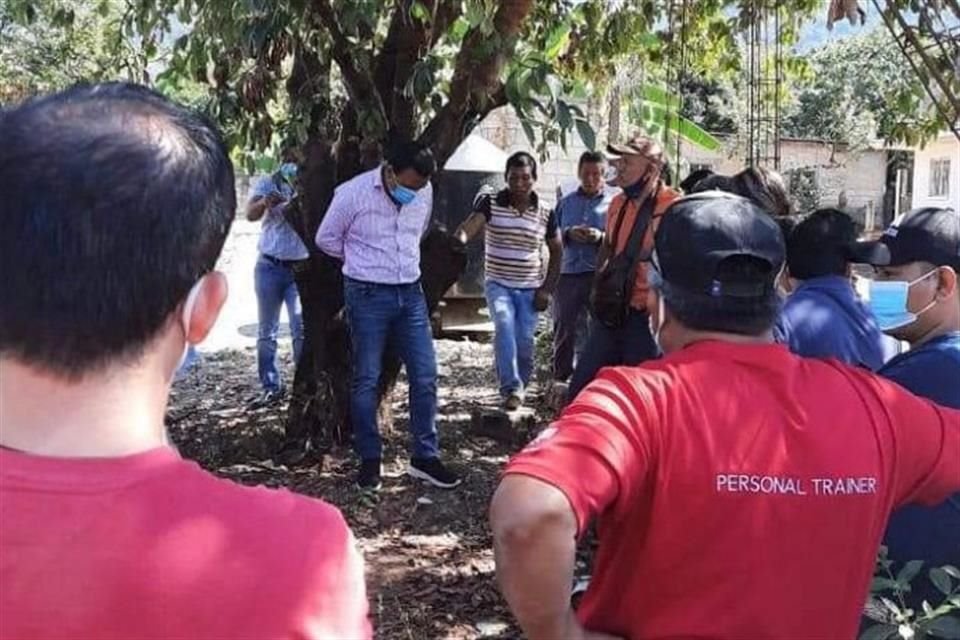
pixel 888 302
pixel 288 170
pixel 403 195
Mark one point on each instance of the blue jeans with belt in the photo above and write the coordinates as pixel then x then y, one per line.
pixel 383 316
pixel 514 323
pixel 275 287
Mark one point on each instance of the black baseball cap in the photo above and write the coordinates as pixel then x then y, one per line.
pixel 700 234
pixel 929 234
pixel 824 243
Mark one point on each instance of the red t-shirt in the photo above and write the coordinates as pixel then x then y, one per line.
pixel 151 546
pixel 741 491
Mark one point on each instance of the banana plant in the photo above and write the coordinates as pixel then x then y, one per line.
pixel 658 112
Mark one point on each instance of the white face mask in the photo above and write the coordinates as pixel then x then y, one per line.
pixel 185 318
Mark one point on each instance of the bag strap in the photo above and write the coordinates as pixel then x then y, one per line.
pixel 632 249
pixel 620 217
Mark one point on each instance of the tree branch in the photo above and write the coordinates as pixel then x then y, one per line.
pixel 408 40
pixel 476 88
pixel 359 83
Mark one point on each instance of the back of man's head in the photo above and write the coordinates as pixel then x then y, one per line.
pixel 823 243
pixel 115 201
pixel 716 264
pixel 763 187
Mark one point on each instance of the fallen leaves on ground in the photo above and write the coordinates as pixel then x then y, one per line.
pixel 430 570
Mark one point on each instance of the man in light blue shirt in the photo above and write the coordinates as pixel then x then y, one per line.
pixel 280 250
pixel 581 217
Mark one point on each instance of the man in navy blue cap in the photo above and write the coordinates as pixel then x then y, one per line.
pixel 730 458
pixel 917 299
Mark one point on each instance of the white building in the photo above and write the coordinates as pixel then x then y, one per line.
pixel 936 173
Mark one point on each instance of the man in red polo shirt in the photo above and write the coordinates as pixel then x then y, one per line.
pixel 739 491
pixel 114 216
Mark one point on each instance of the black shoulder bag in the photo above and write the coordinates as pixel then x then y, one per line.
pixel 610 295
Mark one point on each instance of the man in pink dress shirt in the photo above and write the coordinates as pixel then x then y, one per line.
pixel 374 225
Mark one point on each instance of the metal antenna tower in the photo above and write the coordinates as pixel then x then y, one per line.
pixel 764 83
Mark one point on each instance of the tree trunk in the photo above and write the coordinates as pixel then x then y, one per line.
pixel 319 407
pixel 319 413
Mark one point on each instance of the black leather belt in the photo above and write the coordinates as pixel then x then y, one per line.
pixel 282 263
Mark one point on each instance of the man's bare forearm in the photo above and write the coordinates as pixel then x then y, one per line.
pixel 553 266
pixel 534 545
pixel 470 227
pixel 257 208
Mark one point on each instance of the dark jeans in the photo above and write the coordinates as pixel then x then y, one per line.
pixel 569 311
pixel 382 315
pixel 631 344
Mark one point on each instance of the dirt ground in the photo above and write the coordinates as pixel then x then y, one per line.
pixel 428 551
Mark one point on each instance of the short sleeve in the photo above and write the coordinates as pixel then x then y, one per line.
pixel 927 440
pixel 552 226
pixel 483 202
pixel 264 186
pixel 337 604
pixel 598 452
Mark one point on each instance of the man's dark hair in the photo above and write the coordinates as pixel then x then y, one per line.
pixel 820 244
pixel 691 181
pixel 590 157
pixel 519 160
pixel 764 187
pixel 725 314
pixel 115 201
pixel 407 154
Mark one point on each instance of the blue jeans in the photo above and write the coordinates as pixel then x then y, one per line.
pixel 383 316
pixel 275 287
pixel 629 345
pixel 515 323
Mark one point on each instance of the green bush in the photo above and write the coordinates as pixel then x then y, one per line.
pixel 888 611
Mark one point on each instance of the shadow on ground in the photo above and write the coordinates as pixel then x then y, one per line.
pixel 428 552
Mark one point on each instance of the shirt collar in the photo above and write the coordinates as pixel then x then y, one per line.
pixel 378 177
pixel 503 199
pixel 590 196
pixel 832 282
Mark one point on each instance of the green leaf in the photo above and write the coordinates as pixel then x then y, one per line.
pixel 909 571
pixel 952 571
pixel 458 30
pixel 692 133
pixel 528 130
pixel 474 14
pixel 947 627
pixel 557 41
pixel 419 12
pixel 941 580
pixel 656 95
pixel 564 119
pixel 587 134
pixel 879 632
pixel 882 584
pixel 554 85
